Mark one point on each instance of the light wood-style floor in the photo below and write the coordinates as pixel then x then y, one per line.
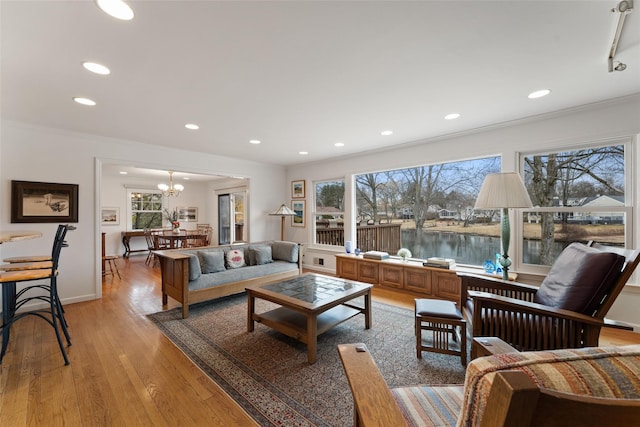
pixel 123 371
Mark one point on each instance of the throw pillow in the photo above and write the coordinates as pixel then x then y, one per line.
pixel 212 261
pixel 262 255
pixel 285 251
pixel 194 267
pixel 235 258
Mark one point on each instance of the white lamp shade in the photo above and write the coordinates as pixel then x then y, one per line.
pixel 283 210
pixel 503 190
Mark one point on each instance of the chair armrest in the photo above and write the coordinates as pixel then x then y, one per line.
pixel 530 326
pixel 373 402
pixel 494 285
pixel 486 300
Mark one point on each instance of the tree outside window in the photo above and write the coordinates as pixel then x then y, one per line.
pixel 578 195
pixel 429 210
pixel 146 209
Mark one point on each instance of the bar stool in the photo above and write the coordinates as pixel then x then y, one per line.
pixel 13 300
pixel 444 320
pixel 111 265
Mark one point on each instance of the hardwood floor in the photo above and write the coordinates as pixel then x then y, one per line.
pixel 123 371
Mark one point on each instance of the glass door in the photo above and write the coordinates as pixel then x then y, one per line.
pixel 224 219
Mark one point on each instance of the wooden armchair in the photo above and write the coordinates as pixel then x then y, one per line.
pixel 566 311
pixel 510 390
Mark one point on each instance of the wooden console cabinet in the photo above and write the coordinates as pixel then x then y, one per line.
pixel 409 276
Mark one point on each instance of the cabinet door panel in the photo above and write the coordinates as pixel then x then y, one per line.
pixel 418 280
pixel 347 268
pixel 391 276
pixel 448 285
pixel 368 272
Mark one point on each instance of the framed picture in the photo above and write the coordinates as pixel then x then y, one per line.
pixel 43 202
pixel 297 189
pixel 298 207
pixel 110 216
pixel 187 214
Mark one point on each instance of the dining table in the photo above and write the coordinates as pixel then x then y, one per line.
pixel 178 239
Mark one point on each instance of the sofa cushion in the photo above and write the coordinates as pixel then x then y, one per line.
pixel 579 278
pixel 262 255
pixel 212 261
pixel 239 274
pixel 235 258
pixel 285 251
pixel 194 268
pixel 250 258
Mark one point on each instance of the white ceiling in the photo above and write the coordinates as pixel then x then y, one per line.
pixel 304 75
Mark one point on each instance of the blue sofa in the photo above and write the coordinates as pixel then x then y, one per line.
pixel 200 274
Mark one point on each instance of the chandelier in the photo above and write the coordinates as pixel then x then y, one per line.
pixel 171 190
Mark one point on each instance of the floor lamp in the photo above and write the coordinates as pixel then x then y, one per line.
pixel 503 191
pixel 283 211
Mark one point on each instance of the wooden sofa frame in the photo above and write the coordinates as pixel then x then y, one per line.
pixel 174 267
pixel 514 400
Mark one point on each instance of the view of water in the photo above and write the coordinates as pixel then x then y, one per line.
pixel 467 248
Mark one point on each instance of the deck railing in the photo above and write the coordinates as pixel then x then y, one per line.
pixel 379 237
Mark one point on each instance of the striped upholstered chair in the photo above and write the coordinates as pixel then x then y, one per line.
pixel 575 387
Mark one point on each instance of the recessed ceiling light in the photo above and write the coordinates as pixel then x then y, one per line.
pixel 254 141
pixel 539 93
pixel 84 101
pixel 94 67
pixel 452 116
pixel 116 8
pixel 339 144
pixel 303 153
pixel 386 132
pixel 192 126
pixel 124 173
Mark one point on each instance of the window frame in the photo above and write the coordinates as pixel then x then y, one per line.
pixel 131 211
pixel 627 209
pixel 315 212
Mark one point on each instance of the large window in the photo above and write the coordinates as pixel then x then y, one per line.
pixel 329 213
pixel 578 195
pixel 146 209
pixel 427 209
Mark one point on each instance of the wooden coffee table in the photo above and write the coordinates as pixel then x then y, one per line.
pixel 310 304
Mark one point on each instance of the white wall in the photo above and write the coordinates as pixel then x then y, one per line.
pixel 49 155
pixel 595 123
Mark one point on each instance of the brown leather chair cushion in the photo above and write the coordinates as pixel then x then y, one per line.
pixel 579 279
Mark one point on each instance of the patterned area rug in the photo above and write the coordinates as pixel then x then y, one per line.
pixel 268 375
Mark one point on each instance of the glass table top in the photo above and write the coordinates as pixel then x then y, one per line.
pixel 311 289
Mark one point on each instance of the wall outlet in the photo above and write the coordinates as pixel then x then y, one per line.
pixel 321 261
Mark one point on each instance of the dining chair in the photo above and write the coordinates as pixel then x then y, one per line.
pixel 195 238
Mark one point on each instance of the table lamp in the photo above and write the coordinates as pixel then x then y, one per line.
pixel 503 191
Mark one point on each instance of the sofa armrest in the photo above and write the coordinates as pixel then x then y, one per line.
pixel 374 405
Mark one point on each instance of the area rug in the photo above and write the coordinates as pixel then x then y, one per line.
pixel 267 373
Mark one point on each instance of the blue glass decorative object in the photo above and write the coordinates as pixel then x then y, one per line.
pixel 489 266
